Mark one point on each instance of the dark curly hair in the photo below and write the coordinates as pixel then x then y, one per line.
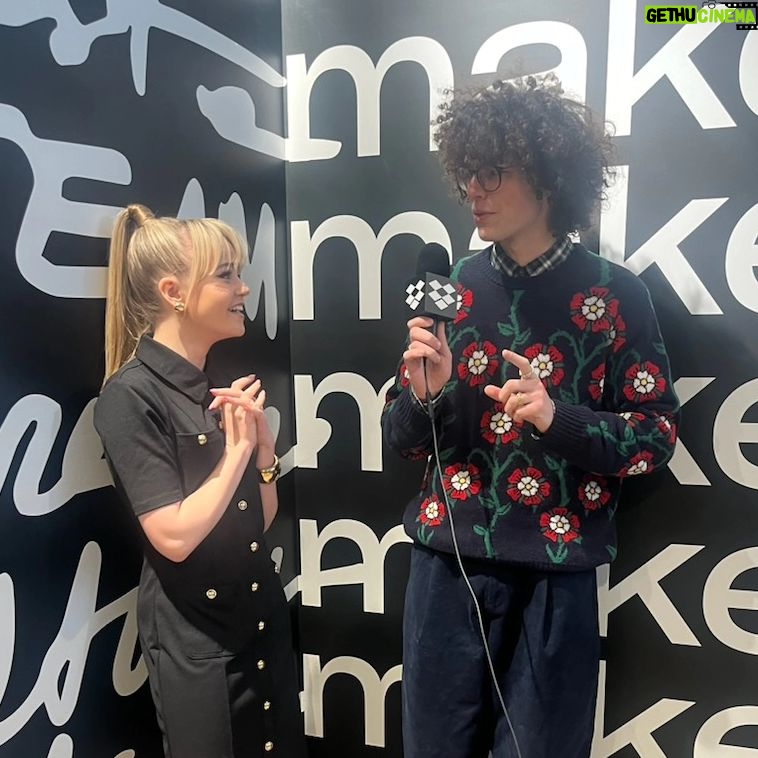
pixel 562 147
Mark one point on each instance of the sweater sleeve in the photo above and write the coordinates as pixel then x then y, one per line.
pixel 405 422
pixel 635 433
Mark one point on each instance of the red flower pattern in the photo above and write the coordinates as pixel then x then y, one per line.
pixel 528 487
pixel 595 310
pixel 666 428
pixel 632 418
pixel 462 480
pixel 560 525
pixel 416 454
pixel 464 303
pixel 644 382
pixel 478 363
pixel 597 383
pixel 498 426
pixel 547 363
pixel 642 463
pixel 593 492
pixel 617 333
pixel 432 511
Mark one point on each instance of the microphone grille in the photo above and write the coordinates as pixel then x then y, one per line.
pixel 433 259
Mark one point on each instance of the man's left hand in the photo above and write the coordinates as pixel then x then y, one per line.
pixel 525 398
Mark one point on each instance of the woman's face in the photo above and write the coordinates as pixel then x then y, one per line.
pixel 217 309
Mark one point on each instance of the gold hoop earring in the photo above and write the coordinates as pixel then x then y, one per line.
pixel 179 307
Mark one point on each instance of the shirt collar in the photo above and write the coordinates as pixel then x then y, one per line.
pixel 172 368
pixel 555 255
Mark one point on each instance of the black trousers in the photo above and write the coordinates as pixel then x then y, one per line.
pixel 212 703
pixel 541 627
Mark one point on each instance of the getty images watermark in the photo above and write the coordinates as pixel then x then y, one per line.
pixel 743 15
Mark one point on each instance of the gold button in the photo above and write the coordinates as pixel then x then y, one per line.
pixel 267 705
pixel 261 664
pixel 211 594
pixel 201 439
pixel 254 547
pixel 242 505
pixel 269 746
pixel 261 626
pixel 254 586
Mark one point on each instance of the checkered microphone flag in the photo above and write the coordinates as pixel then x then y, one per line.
pixel 431 293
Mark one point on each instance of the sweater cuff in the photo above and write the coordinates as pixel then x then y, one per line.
pixel 569 425
pixel 410 414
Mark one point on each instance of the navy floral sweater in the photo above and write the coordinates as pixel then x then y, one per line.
pixel 547 501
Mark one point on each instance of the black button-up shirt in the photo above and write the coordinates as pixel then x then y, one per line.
pixel 161 444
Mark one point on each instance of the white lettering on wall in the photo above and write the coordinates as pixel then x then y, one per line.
pixel 428 53
pixel 83 468
pixel 730 432
pixel 369 248
pixel 644 582
pixel 637 732
pixel 741 261
pixel 369 573
pixel 48 211
pixel 682 465
pixel 61 672
pixel 374 693
pixel 662 248
pixel 314 432
pixel 708 741
pixel 71 40
pixel 572 70
pixel 747 69
pixel 624 87
pixel 719 598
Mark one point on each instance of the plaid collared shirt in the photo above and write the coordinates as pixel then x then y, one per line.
pixel 558 253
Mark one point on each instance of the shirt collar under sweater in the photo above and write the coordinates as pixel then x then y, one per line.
pixel 551 258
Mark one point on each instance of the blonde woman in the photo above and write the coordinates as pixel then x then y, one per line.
pixel 198 469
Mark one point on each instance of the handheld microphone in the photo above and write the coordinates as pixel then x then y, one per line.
pixel 431 293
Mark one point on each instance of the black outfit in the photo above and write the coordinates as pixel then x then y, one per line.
pixel 214 628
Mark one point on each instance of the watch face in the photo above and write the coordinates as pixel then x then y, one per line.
pixel 270 474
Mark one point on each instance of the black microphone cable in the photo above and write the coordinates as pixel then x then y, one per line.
pixel 482 632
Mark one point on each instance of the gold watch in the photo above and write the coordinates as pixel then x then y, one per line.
pixel 271 473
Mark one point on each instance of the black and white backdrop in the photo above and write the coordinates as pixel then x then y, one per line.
pixel 305 124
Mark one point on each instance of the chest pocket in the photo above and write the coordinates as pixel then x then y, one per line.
pixel 198 453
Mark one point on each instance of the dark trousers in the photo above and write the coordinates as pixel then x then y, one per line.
pixel 541 628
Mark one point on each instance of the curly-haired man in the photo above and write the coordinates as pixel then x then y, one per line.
pixel 549 388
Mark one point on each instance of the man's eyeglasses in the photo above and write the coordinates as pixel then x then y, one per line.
pixel 487 177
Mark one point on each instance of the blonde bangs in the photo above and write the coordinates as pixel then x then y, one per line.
pixel 212 244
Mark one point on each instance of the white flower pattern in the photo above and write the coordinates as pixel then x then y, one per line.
pixel 593 308
pixel 542 365
pixel 592 491
pixel 432 510
pixel 461 480
pixel 644 383
pixel 501 423
pixel 559 524
pixel 640 467
pixel 528 486
pixel 477 363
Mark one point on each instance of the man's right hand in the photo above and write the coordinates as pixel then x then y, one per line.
pixel 424 344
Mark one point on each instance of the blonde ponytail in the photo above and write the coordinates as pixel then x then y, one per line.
pixel 123 323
